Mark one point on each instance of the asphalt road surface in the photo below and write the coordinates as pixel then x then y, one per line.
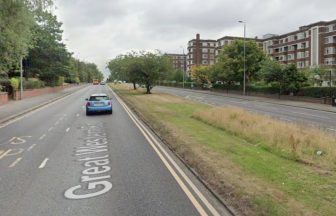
pixel 315 118
pixel 58 161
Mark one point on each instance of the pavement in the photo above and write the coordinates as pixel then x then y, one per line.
pixel 55 160
pixel 13 108
pixel 311 114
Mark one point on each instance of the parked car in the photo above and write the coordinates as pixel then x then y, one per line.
pixel 102 83
pixel 98 103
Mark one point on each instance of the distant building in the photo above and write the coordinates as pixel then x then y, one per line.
pixel 205 51
pixel 310 46
pixel 200 52
pixel 179 61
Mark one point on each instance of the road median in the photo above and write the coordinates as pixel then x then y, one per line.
pixel 247 174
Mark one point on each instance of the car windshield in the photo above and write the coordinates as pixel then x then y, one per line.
pixel 98 98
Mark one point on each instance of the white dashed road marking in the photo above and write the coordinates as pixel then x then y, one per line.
pixel 44 162
pixel 31 147
pixel 15 162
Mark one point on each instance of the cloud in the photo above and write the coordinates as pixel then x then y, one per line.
pixel 99 30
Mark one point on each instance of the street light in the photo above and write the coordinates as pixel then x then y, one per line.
pixel 184 65
pixel 21 79
pixel 244 90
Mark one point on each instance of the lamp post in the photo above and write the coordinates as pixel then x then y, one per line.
pixel 21 79
pixel 244 87
pixel 184 65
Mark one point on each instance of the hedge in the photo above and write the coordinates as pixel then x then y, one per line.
pixel 317 92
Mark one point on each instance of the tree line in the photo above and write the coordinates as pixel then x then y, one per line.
pixel 261 70
pixel 30 33
pixel 144 68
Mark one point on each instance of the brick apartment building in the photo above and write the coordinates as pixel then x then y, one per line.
pixel 205 51
pixel 179 61
pixel 200 52
pixel 310 46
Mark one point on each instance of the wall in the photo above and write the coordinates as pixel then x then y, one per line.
pixel 3 97
pixel 36 92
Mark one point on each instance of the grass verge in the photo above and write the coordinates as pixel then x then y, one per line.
pixel 244 169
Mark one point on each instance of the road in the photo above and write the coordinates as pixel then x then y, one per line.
pixel 58 161
pixel 315 118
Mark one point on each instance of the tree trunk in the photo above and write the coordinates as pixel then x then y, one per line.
pixel 134 86
pixel 148 88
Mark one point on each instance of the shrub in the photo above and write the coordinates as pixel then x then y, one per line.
pixel 15 83
pixel 33 84
pixel 317 92
pixel 60 81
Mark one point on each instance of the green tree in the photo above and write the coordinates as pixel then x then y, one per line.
pixel 231 59
pixel 201 74
pixel 272 72
pixel 294 79
pixel 153 64
pixel 49 58
pixel 140 67
pixel 16 37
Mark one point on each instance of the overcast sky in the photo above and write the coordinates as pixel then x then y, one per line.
pixel 98 30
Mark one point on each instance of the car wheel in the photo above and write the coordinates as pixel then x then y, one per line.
pixel 87 113
pixel 110 112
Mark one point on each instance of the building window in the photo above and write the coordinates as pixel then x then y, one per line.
pixel 307 54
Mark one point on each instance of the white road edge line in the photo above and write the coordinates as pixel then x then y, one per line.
pixel 67 130
pixel 15 162
pixel 42 137
pixel 44 162
pixel 50 129
pixel 31 147
pixel 151 141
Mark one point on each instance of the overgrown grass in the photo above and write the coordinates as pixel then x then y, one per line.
pixel 244 170
pixel 304 144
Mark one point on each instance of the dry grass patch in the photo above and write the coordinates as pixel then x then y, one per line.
pixel 287 140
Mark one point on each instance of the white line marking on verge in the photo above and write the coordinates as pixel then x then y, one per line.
pixel 15 162
pixel 332 129
pixel 42 137
pixel 31 147
pixel 50 129
pixel 56 123
pixel 67 130
pixel 44 162
pixel 155 145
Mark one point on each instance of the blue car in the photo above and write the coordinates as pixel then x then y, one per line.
pixel 98 103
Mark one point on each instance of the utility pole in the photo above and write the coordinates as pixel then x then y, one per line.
pixel 184 65
pixel 21 79
pixel 244 87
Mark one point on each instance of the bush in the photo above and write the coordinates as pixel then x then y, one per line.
pixel 33 84
pixel 15 83
pixel 317 92
pixel 60 81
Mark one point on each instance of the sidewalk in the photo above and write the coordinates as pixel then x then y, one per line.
pixel 20 107
pixel 300 104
